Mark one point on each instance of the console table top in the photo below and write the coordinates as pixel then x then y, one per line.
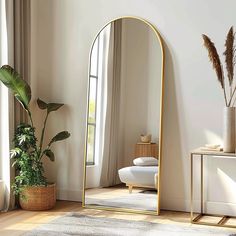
pixel 199 151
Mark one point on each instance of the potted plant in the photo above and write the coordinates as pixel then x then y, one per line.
pixel 35 192
pixel 229 89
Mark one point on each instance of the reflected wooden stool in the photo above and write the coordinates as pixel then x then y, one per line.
pixel 144 150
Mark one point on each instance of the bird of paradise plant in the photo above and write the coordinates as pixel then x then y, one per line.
pixel 28 152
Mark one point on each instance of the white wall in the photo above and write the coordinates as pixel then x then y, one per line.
pixel 62 33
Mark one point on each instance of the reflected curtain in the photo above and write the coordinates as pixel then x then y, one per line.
pixel 15 51
pixel 111 157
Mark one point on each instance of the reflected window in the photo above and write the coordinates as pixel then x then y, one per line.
pixel 97 99
pixel 92 106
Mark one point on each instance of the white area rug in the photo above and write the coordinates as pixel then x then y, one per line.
pixel 76 224
pixel 146 200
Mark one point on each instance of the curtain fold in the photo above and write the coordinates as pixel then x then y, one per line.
pixel 6 105
pixel 104 41
pixel 22 39
pixel 111 156
pixel 15 51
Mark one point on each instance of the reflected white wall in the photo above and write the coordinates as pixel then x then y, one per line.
pixel 141 81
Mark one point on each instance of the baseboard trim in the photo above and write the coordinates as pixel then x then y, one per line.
pixel 69 195
pixel 180 204
pixel 223 208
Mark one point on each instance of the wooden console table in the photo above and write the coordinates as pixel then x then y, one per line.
pixel 197 219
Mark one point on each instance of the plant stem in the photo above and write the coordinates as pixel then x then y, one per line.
pixel 225 96
pixel 231 97
pixel 42 135
pixel 234 101
pixel 30 117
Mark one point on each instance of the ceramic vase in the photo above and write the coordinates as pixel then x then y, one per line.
pixel 229 129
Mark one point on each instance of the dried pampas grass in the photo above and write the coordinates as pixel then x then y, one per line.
pixel 229 54
pixel 215 59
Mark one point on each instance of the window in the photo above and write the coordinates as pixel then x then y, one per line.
pixel 92 105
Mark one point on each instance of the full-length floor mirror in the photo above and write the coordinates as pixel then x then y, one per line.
pixel 124 118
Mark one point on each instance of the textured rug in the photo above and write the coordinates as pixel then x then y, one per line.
pixel 76 224
pixel 146 200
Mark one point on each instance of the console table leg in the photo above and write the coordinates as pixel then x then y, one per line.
pixel 202 184
pixel 191 180
pixel 197 220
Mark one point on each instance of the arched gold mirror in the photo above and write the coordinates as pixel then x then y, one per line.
pixel 124 118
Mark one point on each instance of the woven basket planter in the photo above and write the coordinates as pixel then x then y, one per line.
pixel 38 198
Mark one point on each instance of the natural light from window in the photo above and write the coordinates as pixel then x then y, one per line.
pixel 93 84
pixel 97 95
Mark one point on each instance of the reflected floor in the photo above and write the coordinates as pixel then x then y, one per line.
pixel 119 197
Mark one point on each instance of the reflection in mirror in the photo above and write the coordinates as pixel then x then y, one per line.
pixel 124 102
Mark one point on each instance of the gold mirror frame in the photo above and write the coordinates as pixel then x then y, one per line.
pixel 160 130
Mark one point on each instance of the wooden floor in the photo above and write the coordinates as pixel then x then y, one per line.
pixel 111 192
pixel 18 222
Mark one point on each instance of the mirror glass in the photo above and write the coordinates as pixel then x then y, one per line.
pixel 124 117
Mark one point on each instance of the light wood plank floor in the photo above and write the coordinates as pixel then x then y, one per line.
pixel 111 192
pixel 18 221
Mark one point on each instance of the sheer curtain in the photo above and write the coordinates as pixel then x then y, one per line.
pixel 6 104
pixel 104 40
pixel 111 145
pixel 22 46
pixel 15 51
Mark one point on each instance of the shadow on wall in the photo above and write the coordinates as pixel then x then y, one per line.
pixel 50 84
pixel 172 179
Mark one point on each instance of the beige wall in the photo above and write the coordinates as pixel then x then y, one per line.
pixel 62 33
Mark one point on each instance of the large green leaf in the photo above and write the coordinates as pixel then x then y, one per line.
pixel 16 84
pixel 60 136
pixel 54 106
pixel 41 104
pixel 49 106
pixel 49 154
